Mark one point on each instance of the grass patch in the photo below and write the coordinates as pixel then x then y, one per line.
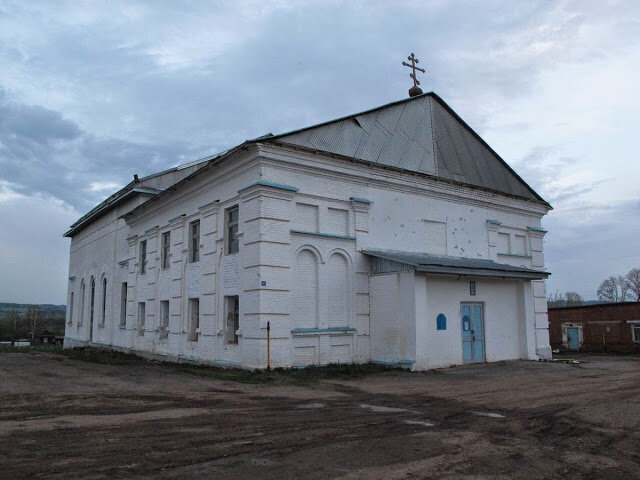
pixel 103 356
pixel 32 349
pixel 278 375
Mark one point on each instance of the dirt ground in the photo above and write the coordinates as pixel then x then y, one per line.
pixel 62 418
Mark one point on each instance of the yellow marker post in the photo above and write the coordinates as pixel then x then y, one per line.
pixel 268 346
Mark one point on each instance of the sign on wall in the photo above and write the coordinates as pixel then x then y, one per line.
pixel 441 321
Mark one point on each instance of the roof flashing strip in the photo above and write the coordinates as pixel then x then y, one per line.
pixel 263 183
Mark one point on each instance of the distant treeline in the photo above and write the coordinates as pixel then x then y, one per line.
pixel 21 320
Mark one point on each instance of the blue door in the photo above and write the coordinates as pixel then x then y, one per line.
pixel 472 332
pixel 573 338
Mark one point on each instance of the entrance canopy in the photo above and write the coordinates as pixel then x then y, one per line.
pixel 386 261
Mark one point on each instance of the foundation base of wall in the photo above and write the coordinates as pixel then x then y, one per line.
pixel 544 353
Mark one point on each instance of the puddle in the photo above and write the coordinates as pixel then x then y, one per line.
pixel 311 406
pixel 379 409
pixel 419 422
pixel 487 414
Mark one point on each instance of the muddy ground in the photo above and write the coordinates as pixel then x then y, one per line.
pixel 62 418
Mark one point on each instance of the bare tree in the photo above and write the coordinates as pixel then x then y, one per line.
pixel 33 315
pixel 625 288
pixel 614 289
pixel 573 299
pixel 556 300
pixel 633 278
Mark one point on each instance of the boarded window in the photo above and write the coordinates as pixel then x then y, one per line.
pixel 305 291
pixel 164 319
pixel 194 319
pixel 143 256
pixel 337 291
pixel 307 217
pixel 123 304
pixel 519 245
pixel 142 313
pixel 435 237
pixel 194 241
pixel 92 302
pixel 82 295
pixel 166 250
pixel 71 308
pixel 231 230
pixel 337 221
pixel 232 315
pixel 504 243
pixel 103 314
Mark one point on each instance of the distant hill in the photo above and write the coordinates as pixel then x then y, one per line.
pixel 46 309
pixel 15 321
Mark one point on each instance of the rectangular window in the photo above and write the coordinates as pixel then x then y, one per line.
pixel 519 245
pixel 232 314
pixel 635 333
pixel 164 319
pixel 142 313
pixel 123 305
pixel 504 243
pixel 166 249
pixel 194 241
pixel 143 256
pixel 231 228
pixel 194 319
pixel 71 309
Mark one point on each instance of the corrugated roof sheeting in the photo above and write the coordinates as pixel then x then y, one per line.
pixel 461 156
pixel 398 136
pixel 421 135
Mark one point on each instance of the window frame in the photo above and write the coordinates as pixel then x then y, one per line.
pixel 232 307
pixel 92 301
pixel 165 240
pixel 193 327
pixel 231 230
pixel 103 307
pixel 164 315
pixel 194 241
pixel 635 332
pixel 70 321
pixel 124 293
pixel 142 313
pixel 143 257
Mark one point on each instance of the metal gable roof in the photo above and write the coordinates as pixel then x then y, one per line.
pixel 421 134
pixel 393 260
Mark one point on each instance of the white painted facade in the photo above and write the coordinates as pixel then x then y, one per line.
pixel 304 220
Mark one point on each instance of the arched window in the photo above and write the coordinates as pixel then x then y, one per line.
pixel 70 308
pixel 92 301
pixel 338 291
pixel 82 292
pixel 104 300
pixel 305 290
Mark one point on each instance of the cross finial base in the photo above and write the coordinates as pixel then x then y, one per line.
pixel 415 91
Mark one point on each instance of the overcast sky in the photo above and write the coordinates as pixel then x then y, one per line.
pixel 92 92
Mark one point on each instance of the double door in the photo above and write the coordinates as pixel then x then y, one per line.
pixel 472 332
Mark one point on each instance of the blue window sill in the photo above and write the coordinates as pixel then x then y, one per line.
pixel 319 234
pixel 299 331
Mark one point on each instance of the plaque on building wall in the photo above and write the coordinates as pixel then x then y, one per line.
pixel 441 321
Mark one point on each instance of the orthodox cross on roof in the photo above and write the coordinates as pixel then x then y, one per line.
pixel 415 90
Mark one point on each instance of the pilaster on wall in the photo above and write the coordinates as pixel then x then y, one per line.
pixel 361 209
pixel 536 244
pixel 265 273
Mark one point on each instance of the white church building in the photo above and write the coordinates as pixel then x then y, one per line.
pixel 393 236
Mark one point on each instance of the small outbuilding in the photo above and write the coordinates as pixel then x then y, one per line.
pixel 607 327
